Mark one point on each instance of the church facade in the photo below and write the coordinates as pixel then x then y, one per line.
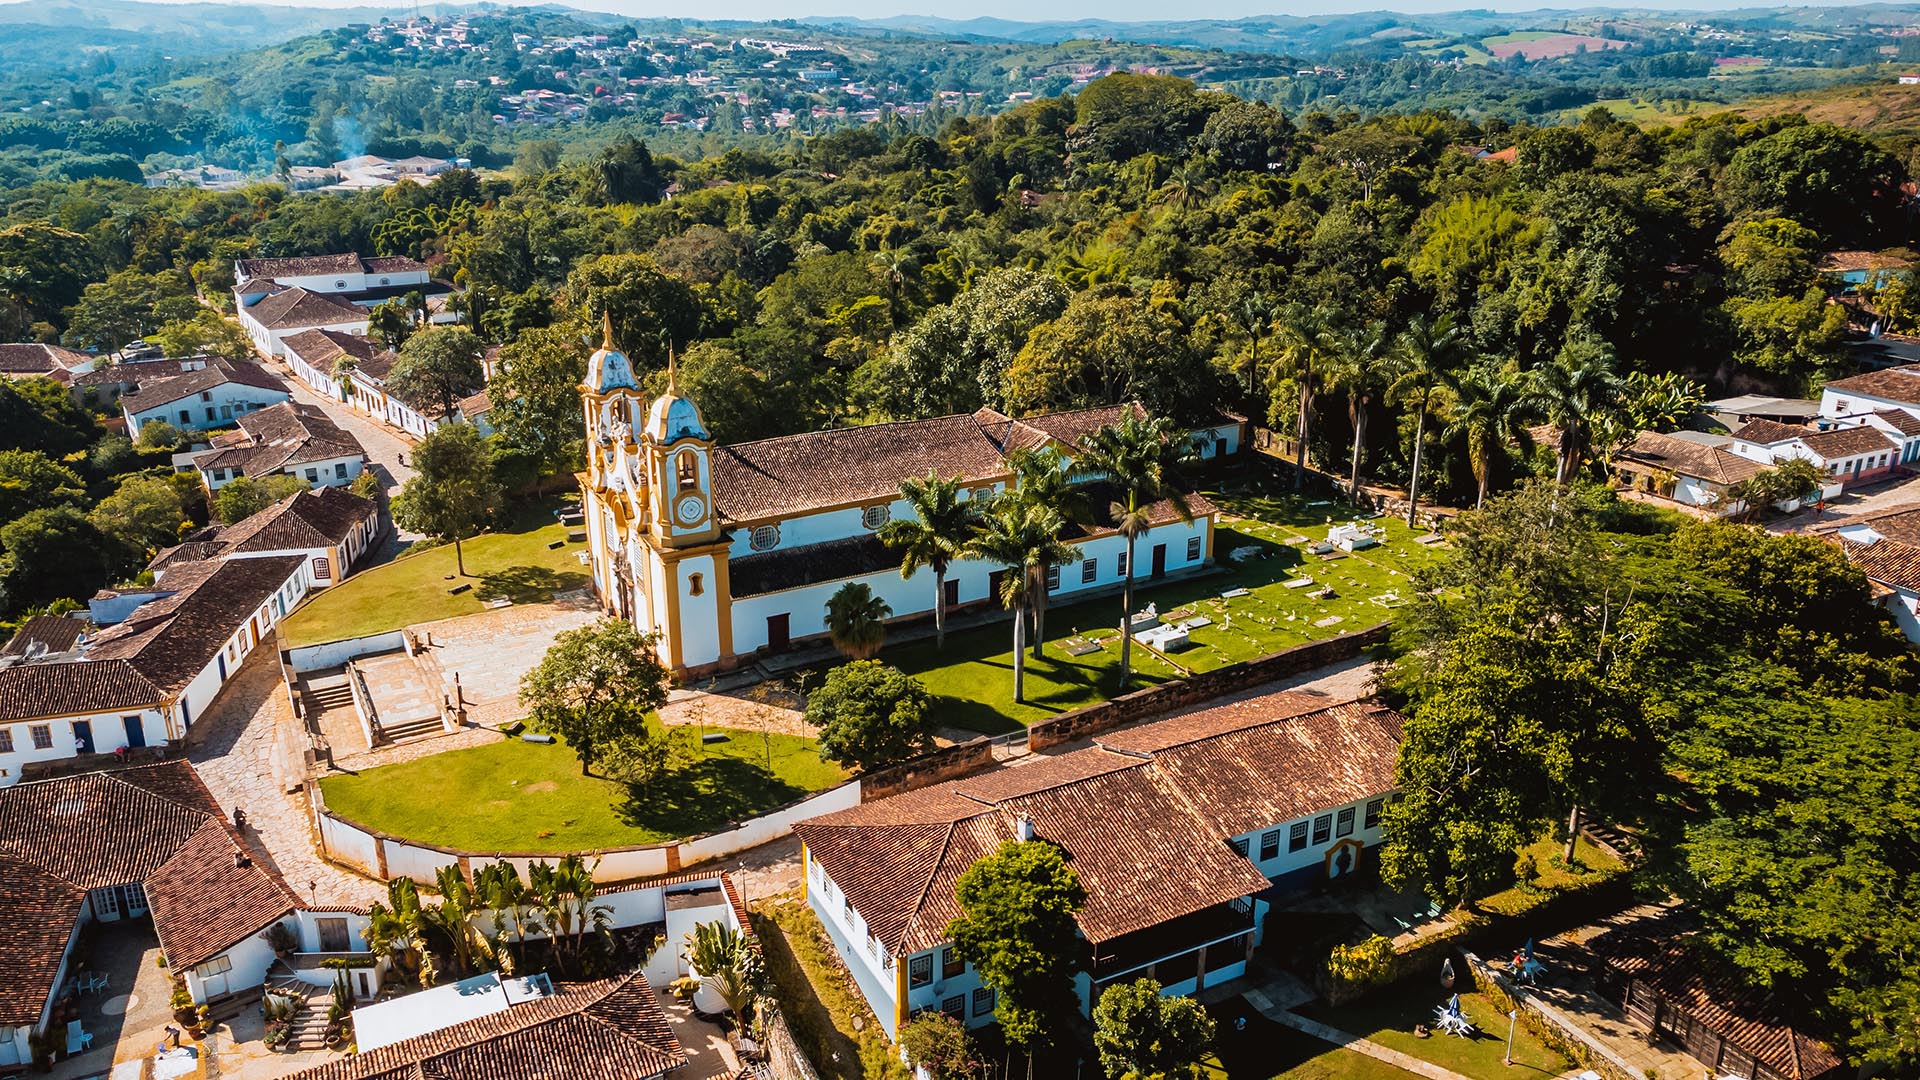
pixel 730 552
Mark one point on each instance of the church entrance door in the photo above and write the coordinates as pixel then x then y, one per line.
pixel 777 632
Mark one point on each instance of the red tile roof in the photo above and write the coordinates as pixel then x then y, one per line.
pixel 1683 458
pixel 276 437
pixel 173 639
pixel 1889 562
pixel 54 633
pixel 300 266
pixel 1145 815
pixel 33 358
pixel 71 688
pixel 298 308
pixel 608 1030
pixel 1848 442
pixel 321 348
pixel 204 901
pixel 1750 1018
pixel 169 388
pixel 1770 432
pixel 1899 384
pixel 37 913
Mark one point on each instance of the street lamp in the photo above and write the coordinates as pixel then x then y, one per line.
pixel 1512 1015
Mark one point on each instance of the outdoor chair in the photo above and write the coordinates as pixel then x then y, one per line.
pixel 78 1041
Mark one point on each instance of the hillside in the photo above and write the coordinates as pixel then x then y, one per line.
pixel 1884 108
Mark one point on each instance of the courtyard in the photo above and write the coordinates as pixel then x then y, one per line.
pixel 1271 590
pixel 529 561
pixel 512 795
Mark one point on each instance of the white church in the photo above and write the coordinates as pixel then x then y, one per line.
pixel 730 552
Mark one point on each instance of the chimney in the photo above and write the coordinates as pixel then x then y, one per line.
pixel 1023 828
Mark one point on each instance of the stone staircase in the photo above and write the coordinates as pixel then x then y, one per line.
pixel 324 692
pixel 412 729
pixel 310 1022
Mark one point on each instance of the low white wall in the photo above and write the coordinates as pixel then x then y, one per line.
pixel 767 827
pixel 335 653
pixel 343 843
pixel 419 863
pixel 631 864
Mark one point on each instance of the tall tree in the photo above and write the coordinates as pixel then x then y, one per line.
pixel 1309 344
pixel 1017 929
pixel 1490 412
pixel 595 686
pixel 1428 351
pixel 440 365
pixel 1138 457
pixel 1576 392
pixel 1360 371
pixel 452 494
pixel 1024 539
pixel 536 396
pixel 1048 479
pixel 934 537
pixel 870 715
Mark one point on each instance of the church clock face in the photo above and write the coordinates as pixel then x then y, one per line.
pixel 690 509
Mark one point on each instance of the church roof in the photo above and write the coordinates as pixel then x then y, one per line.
pixel 795 474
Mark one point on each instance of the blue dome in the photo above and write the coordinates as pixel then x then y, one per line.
pixel 673 418
pixel 608 369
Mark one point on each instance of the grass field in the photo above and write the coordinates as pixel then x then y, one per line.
pixel 1388 1017
pixel 516 563
pixel 973 676
pixel 518 796
pixel 1545 44
pixel 1264 1050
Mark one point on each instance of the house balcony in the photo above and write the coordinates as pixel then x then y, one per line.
pixel 1170 951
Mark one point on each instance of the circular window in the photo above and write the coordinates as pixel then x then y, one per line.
pixel 875 516
pixel 765 537
pixel 340 284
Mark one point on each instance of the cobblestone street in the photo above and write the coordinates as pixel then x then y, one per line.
pixel 237 748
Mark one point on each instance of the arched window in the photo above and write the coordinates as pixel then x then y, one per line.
pixel 689 470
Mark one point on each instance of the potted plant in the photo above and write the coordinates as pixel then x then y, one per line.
pixel 181 1002
pixel 282 938
pixel 278 1032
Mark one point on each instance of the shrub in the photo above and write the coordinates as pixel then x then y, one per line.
pixel 1361 966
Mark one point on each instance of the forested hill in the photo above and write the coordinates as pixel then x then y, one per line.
pixel 123 88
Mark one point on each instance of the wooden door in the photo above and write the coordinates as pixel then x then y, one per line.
pixel 333 935
pixel 136 731
pixel 779 627
pixel 994 581
pixel 952 593
pixel 1159 560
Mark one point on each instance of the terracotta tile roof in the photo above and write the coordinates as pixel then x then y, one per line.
pixel 609 1030
pixel 1899 420
pixel 1848 441
pixel 1895 523
pixel 32 358
pixel 72 688
pixel 156 825
pixel 1769 432
pixel 275 437
pixel 1890 562
pixel 321 348
pixel 301 266
pixel 1837 262
pixel 37 913
pixel 172 639
pixel 1750 1018
pixel 130 373
pixel 203 903
pixel 392 264
pixel 308 519
pixel 792 474
pixel 55 633
pixel 1901 384
pixel 103 828
pixel 476 405
pixel 1684 458
pixel 1144 814
pixel 154 392
pixel 298 308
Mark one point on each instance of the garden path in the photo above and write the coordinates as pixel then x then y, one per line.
pixel 1318 1030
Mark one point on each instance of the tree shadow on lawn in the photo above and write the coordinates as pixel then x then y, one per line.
pixel 1261 1049
pixel 526 584
pixel 707 795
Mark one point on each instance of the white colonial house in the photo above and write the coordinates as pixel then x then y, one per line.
pixel 278 298
pixel 329 527
pixel 1183 832
pixel 150 841
pixel 165 652
pixel 295 440
pixel 213 395
pixel 732 551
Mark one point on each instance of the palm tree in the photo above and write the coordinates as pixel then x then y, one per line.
pixel 1358 371
pixel 503 893
pixel 399 926
pixel 1426 350
pixel 727 962
pixel 564 892
pixel 934 537
pixel 1308 346
pixel 1026 540
pixel 1254 313
pixel 1490 414
pixel 1047 478
pixel 453 915
pixel 857 621
pixel 1575 391
pixel 1139 457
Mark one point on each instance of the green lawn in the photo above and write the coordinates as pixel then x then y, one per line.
pixel 519 796
pixel 1264 1050
pixel 1388 1018
pixel 1548 878
pixel 413 588
pixel 973 676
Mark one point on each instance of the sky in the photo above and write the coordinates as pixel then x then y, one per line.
pixel 1051 10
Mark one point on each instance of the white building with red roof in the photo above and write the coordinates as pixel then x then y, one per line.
pixel 730 552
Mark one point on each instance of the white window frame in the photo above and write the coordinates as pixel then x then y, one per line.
pixel 764 538
pixel 872 517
